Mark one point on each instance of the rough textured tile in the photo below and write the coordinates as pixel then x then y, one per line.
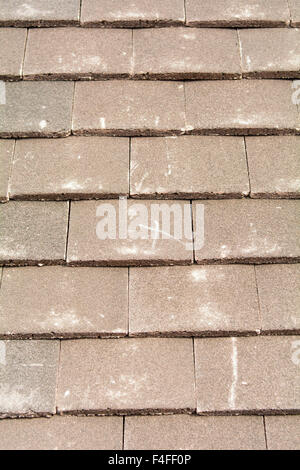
pixel 28 372
pixel 279 297
pixel 211 300
pixel 36 109
pixel 126 376
pixel 194 433
pixel 295 12
pixel 250 231
pixel 128 108
pixel 128 13
pixel 274 166
pixel 270 53
pixel 73 168
pixel 189 167
pixel 237 13
pixel 144 241
pixel 180 53
pixel 12 44
pixel 39 12
pixel 72 53
pixel 248 375
pixel 241 107
pixel 32 232
pixel 62 433
pixel 283 432
pixel 6 156
pixel 56 301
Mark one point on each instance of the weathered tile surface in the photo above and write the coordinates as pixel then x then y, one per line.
pixel 28 372
pixel 279 297
pixel 32 232
pixel 248 375
pixel 56 301
pixel 283 432
pixel 73 168
pixel 12 44
pixel 128 13
pixel 62 433
pixel 242 107
pixel 126 375
pixel 270 53
pixel 39 12
pixel 36 109
pixel 295 12
pixel 6 156
pixel 274 166
pixel 72 53
pixel 188 167
pixel 128 108
pixel 194 433
pixel 186 300
pixel 93 239
pixel 260 231
pixel 186 53
pixel 237 13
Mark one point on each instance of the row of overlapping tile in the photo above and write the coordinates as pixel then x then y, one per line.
pixel 141 13
pixel 161 53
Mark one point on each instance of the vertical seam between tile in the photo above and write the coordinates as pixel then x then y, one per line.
pixel 11 169
pixel 25 48
pixel 1 277
pixel 129 165
pixel 68 231
pixel 185 104
pixel 123 435
pixel 247 163
pixel 195 375
pixel 128 302
pixel 290 12
pixel 265 432
pixel 72 110
pixel 258 300
pixel 184 7
pixel 80 10
pixel 240 52
pixel 193 235
pixel 57 377
pixel 132 59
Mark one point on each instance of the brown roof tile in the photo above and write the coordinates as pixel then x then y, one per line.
pixel 73 168
pixel 12 52
pixel 55 302
pixel 126 376
pixel 73 53
pixel 186 53
pixel 194 433
pixel 279 298
pixel 192 301
pixel 247 375
pixel 32 233
pixel 39 12
pixel 249 231
pixel 241 107
pixel 189 167
pixel 62 433
pixel 237 13
pixel 295 12
pixel 126 13
pixel 36 109
pixel 270 53
pixel 274 166
pixel 283 432
pixel 128 108
pixel 28 378
pixel 6 157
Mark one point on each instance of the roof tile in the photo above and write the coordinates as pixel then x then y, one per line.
pixel 295 12
pixel 6 157
pixel 126 375
pixel 32 233
pixel 72 168
pixel 193 300
pixel 55 302
pixel 283 432
pixel 28 378
pixel 247 375
pixel 36 109
pixel 12 52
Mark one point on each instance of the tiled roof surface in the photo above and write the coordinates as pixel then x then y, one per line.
pixel 141 343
